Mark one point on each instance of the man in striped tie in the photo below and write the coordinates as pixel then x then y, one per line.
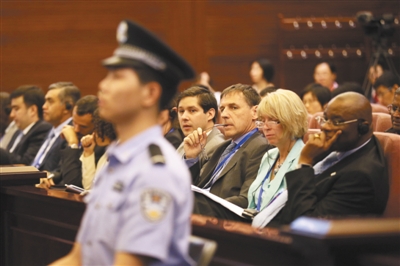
pixel 235 162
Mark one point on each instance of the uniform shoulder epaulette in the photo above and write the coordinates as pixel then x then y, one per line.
pixel 156 155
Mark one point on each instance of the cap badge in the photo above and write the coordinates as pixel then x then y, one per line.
pixel 122 32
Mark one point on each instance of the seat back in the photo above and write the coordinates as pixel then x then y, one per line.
pixel 381 122
pixel 391 148
pixel 378 108
pixel 202 250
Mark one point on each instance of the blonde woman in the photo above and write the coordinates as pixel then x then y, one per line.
pixel 283 120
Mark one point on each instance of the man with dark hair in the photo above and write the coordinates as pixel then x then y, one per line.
pixel 138 211
pixel 57 110
pixel 234 164
pixel 70 166
pixel 198 108
pixel 385 86
pixel 395 113
pixel 325 74
pixel 26 111
pixel 352 179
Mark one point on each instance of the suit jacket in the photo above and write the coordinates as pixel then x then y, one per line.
pixel 234 181
pixel 51 162
pixel 175 137
pixel 279 182
pixel 71 166
pixel 356 185
pixel 29 145
pixel 213 140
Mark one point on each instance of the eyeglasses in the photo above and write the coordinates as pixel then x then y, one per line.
pixel 393 108
pixel 261 124
pixel 322 121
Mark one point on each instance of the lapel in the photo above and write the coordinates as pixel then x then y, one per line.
pixel 212 163
pixel 13 138
pixel 236 157
pixel 289 164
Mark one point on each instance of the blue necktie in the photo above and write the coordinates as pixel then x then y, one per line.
pixel 226 153
pixel 329 160
pixel 42 151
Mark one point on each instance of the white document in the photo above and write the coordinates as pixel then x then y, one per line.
pixel 232 207
pixel 266 215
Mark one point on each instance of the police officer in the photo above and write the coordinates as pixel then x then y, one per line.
pixel 139 209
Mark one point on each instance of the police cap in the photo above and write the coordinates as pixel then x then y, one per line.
pixel 137 44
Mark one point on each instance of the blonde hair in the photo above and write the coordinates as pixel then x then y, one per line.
pixel 286 107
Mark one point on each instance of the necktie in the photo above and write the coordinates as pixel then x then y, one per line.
pixel 220 164
pixel 43 150
pixel 329 160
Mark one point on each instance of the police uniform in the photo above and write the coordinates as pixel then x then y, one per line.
pixel 141 201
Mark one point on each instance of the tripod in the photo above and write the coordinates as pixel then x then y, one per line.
pixel 380 52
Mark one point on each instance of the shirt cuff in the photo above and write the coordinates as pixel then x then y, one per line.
pixel 191 162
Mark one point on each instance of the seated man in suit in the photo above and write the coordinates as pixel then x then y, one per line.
pixel 395 113
pixel 352 179
pixel 57 110
pixel 70 165
pixel 26 111
pixel 234 164
pixel 198 108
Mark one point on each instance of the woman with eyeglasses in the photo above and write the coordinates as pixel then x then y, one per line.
pixel 283 120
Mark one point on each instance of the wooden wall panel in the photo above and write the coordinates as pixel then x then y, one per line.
pixel 47 41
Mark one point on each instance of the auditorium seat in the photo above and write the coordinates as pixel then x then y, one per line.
pixel 391 148
pixel 378 108
pixel 202 250
pixel 381 122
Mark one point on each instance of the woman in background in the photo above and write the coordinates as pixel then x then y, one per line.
pixel 261 74
pixel 102 136
pixel 315 97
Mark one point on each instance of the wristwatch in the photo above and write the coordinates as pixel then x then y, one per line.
pixel 74 146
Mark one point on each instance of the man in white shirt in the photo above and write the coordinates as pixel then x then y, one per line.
pixel 57 110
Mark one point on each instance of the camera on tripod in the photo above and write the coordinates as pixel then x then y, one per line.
pixel 376 27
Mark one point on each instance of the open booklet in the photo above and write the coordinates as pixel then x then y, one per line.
pixel 260 219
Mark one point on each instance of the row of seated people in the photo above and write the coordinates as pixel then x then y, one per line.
pixel 59 132
pixel 245 166
pixel 240 170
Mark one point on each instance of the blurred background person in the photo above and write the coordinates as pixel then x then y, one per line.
pixel 395 113
pixel 261 74
pixel 168 119
pixel 315 97
pixel 374 72
pixel 7 125
pixel 385 87
pixel 102 136
pixel 264 92
pixel 325 74
pixel 283 119
pixel 346 87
